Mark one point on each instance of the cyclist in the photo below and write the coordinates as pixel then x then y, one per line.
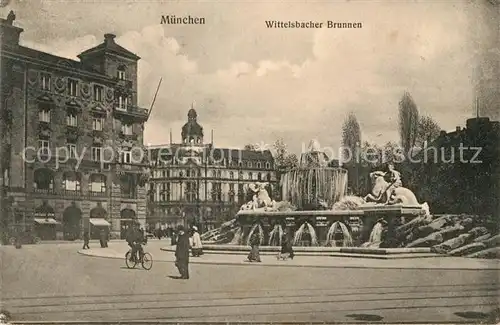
pixel 135 239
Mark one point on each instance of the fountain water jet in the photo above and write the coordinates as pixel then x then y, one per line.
pixel 261 233
pixel 302 230
pixel 277 231
pixel 237 237
pixel 346 236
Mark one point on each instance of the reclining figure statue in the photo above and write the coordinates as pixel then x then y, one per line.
pixel 261 198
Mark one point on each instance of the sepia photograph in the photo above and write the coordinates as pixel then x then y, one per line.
pixel 244 161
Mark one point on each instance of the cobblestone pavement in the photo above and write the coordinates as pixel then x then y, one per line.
pixel 54 282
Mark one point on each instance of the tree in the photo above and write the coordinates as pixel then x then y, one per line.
pixel 428 130
pixel 351 135
pixel 250 146
pixel 282 158
pixel 408 122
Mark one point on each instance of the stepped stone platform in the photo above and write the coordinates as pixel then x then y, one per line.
pixel 356 252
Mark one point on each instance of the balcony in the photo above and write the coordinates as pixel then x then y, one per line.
pixel 123 84
pixel 130 111
pixel 131 195
pixel 97 194
pixel 71 193
pixel 44 191
pixel 128 136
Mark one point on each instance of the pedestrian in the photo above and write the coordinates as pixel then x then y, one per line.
pixel 86 239
pixel 196 246
pixel 286 247
pixel 102 239
pixel 182 253
pixel 254 255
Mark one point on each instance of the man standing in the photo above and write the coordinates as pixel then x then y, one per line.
pixel 182 253
pixel 197 247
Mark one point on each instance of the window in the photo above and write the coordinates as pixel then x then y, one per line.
pixel 71 120
pixel 72 87
pixel 259 176
pixel 121 73
pixel 240 164
pixel 71 150
pixel 250 176
pixel 97 123
pixel 71 182
pixel 249 164
pixel 259 165
pixel 97 183
pixel 45 82
pixel 96 153
pixel 122 102
pixel 43 146
pixel 126 156
pixel 268 165
pixel 127 129
pixel 231 175
pixel 268 176
pixel 98 90
pixel 44 116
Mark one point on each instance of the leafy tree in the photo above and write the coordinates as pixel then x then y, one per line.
pixel 351 135
pixel 428 130
pixel 283 159
pixel 250 146
pixel 408 122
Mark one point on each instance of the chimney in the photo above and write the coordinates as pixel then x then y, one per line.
pixel 9 34
pixel 458 129
pixel 109 38
pixel 442 133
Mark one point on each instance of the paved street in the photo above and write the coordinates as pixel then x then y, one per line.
pixel 53 282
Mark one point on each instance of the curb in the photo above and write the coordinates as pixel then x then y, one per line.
pixel 243 263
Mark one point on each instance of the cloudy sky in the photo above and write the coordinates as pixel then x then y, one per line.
pixel 253 84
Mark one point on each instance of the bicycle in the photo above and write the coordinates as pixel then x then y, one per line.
pixel 145 259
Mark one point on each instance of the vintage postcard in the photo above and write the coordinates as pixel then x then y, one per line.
pixel 249 161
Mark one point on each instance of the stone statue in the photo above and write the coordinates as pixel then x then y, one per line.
pixel 387 189
pixel 261 198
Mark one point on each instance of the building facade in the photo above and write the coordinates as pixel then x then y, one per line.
pixel 70 135
pixel 196 183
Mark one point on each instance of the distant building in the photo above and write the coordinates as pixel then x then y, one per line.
pixel 87 107
pixel 461 183
pixel 194 182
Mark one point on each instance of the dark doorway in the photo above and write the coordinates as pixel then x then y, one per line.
pixel 72 222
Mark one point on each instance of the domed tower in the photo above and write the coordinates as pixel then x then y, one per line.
pixel 192 132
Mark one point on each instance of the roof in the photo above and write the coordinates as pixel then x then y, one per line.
pixel 51 59
pixel 110 46
pixel 217 153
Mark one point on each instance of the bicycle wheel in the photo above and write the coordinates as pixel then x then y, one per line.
pixel 147 261
pixel 130 264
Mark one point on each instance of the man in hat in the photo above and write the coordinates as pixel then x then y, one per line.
pixel 182 253
pixel 197 247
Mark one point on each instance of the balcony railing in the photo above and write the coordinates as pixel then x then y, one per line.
pixel 131 111
pixel 44 190
pixel 123 83
pixel 129 195
pixel 97 194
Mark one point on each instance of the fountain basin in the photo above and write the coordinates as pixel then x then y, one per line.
pixel 355 224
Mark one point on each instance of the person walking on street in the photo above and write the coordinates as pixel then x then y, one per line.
pixel 86 239
pixel 197 247
pixel 182 253
pixel 254 255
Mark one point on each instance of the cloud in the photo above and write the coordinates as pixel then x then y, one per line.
pixel 254 84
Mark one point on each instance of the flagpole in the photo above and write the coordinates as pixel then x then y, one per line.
pixel 154 98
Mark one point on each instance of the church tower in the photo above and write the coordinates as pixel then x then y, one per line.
pixel 192 132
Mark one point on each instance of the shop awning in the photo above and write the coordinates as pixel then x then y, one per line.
pixel 99 222
pixel 46 221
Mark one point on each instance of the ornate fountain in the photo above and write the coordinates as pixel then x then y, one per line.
pixel 315 210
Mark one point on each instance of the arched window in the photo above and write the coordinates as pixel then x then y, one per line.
pixel 249 164
pixel 240 163
pixel 259 165
pixel 97 183
pixel 250 176
pixel 231 175
pixel 71 181
pixel 268 176
pixel 259 176
pixel 268 165
pixel 120 72
pixel 43 179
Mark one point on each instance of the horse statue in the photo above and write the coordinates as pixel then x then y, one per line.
pixel 385 193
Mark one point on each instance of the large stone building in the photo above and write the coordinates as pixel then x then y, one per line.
pixel 196 183
pixel 68 131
